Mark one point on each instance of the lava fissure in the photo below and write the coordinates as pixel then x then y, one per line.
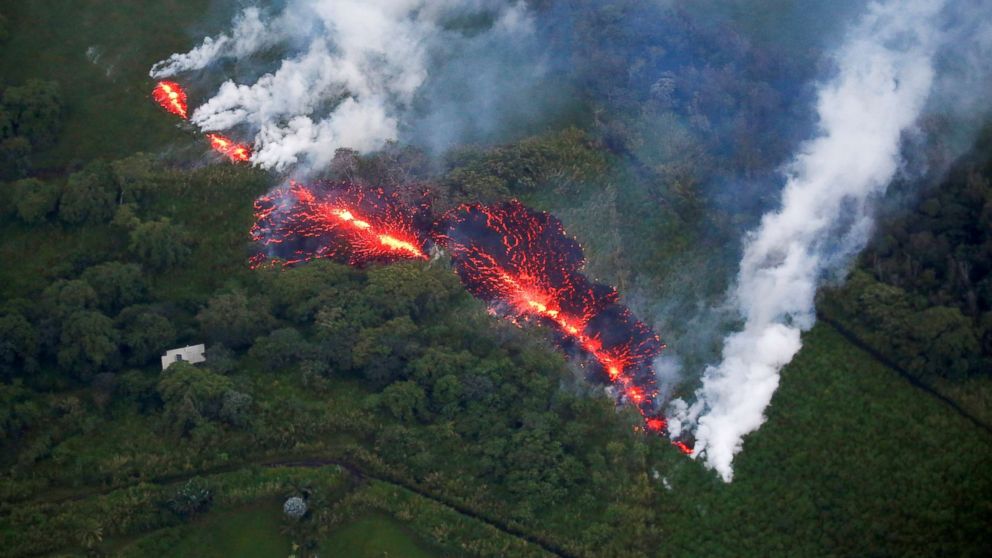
pixel 341 221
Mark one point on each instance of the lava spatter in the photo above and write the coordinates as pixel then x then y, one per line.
pixel 171 96
pixel 341 221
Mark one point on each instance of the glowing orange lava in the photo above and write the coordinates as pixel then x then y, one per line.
pixel 236 152
pixel 339 221
pixel 171 97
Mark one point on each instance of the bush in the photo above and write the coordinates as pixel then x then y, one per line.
pixel 193 497
pixel 34 199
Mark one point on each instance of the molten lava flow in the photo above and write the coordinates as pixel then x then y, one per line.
pixel 342 221
pixel 171 97
pixel 236 152
pixel 525 267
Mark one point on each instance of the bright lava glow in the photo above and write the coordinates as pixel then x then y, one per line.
pixel 340 221
pixel 236 152
pixel 519 261
pixel 171 97
pixel 522 263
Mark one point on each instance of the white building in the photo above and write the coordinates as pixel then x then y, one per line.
pixel 190 353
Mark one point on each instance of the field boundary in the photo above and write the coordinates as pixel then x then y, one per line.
pixel 919 384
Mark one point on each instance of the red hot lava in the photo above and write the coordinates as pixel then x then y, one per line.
pixel 341 221
pixel 525 267
pixel 171 97
pixel 236 152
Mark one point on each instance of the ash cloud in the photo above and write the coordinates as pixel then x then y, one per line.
pixel 888 74
pixel 352 73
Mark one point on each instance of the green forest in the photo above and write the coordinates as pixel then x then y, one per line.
pixel 396 414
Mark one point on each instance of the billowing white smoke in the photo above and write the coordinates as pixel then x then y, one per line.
pixel 353 69
pixel 885 72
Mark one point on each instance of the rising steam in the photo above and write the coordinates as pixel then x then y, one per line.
pixel 349 73
pixel 885 74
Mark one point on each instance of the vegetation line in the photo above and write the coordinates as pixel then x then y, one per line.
pixel 914 381
pixel 351 467
pixel 356 471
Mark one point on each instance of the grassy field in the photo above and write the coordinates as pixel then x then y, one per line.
pixel 251 532
pixel 373 537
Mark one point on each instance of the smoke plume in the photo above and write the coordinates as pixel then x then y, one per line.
pixel 348 71
pixel 884 75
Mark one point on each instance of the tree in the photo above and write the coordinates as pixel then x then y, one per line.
pixel 191 395
pixel 18 345
pixel 235 408
pixel 88 342
pixel 382 352
pixel 88 196
pixel 18 410
pixel 281 348
pixel 408 289
pixel 405 400
pixel 34 199
pixel 299 293
pixel 63 297
pixel 116 284
pixel 160 244
pixel 36 110
pixel 145 334
pixel 946 343
pixel 15 157
pixel 233 319
pixel 136 175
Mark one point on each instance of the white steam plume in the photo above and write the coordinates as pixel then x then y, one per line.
pixel 885 72
pixel 353 69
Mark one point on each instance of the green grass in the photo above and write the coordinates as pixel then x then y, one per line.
pixel 376 536
pixel 251 532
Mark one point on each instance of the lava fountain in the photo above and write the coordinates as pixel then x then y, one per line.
pixel 236 152
pixel 171 96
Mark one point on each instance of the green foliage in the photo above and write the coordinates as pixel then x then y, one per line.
pixel 145 334
pixel 18 345
pixel 192 395
pixel 940 254
pixel 931 342
pixel 555 161
pixel 404 400
pixel 160 244
pixel 281 348
pixel 15 157
pixel 137 176
pixel 233 319
pixel 35 109
pixel 18 410
pixel 116 284
pixel 35 200
pixel 88 342
pixel 193 497
pixel 64 297
pixel 89 195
